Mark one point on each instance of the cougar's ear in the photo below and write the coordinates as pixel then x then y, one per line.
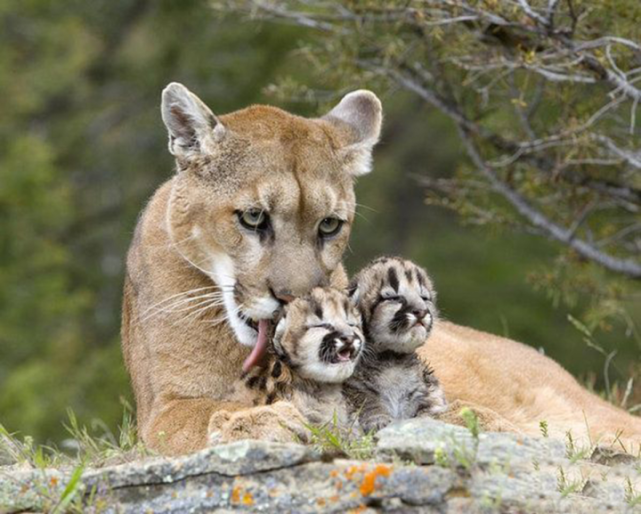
pixel 193 128
pixel 362 114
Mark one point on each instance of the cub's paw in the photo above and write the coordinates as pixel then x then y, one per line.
pixel 376 423
pixel 280 422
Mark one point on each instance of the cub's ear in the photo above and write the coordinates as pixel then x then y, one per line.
pixel 192 127
pixel 354 292
pixel 278 335
pixel 362 114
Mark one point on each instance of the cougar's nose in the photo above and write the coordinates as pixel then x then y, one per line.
pixel 284 296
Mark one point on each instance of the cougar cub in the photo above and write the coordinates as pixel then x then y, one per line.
pixel 315 347
pixel 396 300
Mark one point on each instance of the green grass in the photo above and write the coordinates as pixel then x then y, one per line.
pixel 632 497
pixel 94 446
pixel 575 452
pixel 331 439
pixel 567 486
pixel 458 454
pixel 86 447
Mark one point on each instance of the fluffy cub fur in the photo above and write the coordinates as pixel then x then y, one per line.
pixel 316 345
pixel 397 302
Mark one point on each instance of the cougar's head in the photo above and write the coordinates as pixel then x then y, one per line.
pixel 263 200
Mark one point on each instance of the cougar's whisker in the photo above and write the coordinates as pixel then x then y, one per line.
pixel 175 296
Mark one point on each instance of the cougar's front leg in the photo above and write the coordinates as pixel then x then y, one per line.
pixel 279 422
pixel 183 426
pixel 180 426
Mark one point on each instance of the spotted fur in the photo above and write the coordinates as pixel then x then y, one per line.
pixel 315 347
pixel 397 302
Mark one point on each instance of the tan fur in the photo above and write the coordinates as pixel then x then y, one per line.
pixel 517 387
pixel 183 363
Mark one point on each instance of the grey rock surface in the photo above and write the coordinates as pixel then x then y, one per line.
pixel 419 465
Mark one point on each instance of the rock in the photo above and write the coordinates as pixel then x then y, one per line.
pixel 239 458
pixel 419 465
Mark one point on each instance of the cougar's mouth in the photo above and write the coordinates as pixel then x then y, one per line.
pixel 263 327
pixel 253 324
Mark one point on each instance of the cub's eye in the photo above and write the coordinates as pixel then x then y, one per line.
pixel 325 326
pixel 390 295
pixel 253 219
pixel 330 227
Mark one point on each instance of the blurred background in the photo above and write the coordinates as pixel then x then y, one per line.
pixel 82 148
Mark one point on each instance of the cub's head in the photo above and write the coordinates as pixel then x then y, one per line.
pixel 320 336
pixel 263 200
pixel 397 302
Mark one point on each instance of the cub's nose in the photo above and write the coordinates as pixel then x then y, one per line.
pixel 420 313
pixel 349 346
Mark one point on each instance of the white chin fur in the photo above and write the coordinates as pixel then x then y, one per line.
pixel 328 373
pixel 222 272
pixel 406 343
pixel 261 308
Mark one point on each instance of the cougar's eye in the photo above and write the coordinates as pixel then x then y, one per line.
pixel 253 219
pixel 330 227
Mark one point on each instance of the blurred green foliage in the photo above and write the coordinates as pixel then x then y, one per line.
pixel 82 147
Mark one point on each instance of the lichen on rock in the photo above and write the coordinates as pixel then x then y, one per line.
pixel 419 465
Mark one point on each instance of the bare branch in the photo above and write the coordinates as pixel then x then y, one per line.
pixel 528 90
pixel 626 267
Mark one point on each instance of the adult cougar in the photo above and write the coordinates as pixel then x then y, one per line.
pixel 259 211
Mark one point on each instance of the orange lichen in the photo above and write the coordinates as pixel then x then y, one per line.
pixel 352 470
pixel 333 473
pixel 248 499
pixel 53 481
pixel 321 502
pixel 334 498
pixel 235 494
pixel 368 486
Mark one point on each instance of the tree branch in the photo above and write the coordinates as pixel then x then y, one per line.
pixel 626 267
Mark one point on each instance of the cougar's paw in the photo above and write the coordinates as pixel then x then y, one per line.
pixel 216 423
pixel 489 420
pixel 280 422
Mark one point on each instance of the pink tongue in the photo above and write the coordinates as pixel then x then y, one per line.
pixel 261 346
